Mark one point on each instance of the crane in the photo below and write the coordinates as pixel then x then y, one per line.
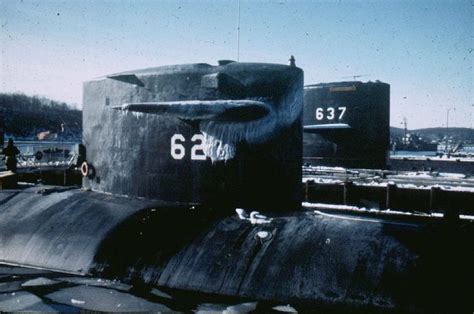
pixel 354 77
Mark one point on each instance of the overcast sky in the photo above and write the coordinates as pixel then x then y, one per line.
pixel 423 49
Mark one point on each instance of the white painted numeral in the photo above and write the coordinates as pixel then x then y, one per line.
pixel 330 116
pixel 177 149
pixel 198 147
pixel 319 114
pixel 330 113
pixel 343 110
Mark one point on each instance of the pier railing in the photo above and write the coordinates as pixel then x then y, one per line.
pixel 449 201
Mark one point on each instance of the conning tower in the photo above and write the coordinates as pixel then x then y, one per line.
pixel 195 133
pixel 347 124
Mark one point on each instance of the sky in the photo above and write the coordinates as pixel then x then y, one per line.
pixel 423 49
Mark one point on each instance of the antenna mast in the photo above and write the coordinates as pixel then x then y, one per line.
pixel 238 35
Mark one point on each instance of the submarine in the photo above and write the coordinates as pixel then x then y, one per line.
pixel 359 114
pixel 192 181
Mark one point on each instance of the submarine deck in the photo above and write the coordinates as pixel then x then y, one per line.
pixel 315 256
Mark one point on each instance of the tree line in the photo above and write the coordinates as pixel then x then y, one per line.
pixel 26 116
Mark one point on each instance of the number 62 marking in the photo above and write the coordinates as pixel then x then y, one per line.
pixel 178 151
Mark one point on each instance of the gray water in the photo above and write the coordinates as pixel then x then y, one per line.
pixel 32 290
pixel 413 153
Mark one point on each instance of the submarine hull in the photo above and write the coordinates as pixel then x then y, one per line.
pixel 310 257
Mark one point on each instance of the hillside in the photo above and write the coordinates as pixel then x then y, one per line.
pixel 460 134
pixel 26 116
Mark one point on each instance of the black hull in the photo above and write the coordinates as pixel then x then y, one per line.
pixel 315 258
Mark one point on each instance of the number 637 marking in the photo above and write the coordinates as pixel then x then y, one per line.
pixel 197 150
pixel 330 113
